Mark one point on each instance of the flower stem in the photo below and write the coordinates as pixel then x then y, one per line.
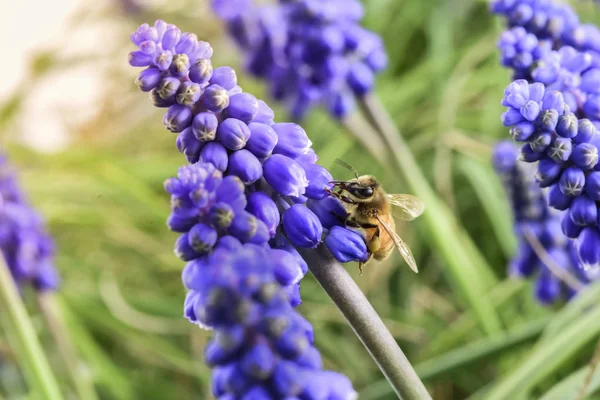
pixel 56 324
pixel 464 266
pixel 29 351
pixel 366 323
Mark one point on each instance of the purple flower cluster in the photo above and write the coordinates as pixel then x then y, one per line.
pixel 262 348
pixel 310 52
pixel 533 216
pixel 25 245
pixel 554 107
pixel 251 194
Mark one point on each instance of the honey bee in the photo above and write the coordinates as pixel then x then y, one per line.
pixel 369 208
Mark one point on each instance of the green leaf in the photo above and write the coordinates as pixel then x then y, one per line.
pixel 570 387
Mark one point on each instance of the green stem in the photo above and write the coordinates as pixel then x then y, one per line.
pixel 29 352
pixel 62 336
pixel 366 323
pixel 442 226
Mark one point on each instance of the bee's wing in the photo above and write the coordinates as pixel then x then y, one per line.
pixel 406 206
pixel 400 245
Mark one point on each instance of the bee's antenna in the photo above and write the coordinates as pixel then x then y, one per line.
pixel 347 166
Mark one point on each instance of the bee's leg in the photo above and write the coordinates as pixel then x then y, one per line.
pixel 372 246
pixel 340 196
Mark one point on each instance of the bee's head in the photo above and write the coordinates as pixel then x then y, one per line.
pixel 361 189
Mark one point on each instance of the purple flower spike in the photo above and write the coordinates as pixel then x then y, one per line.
pixel 346 245
pixel 240 209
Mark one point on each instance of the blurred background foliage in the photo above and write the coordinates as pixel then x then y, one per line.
pixel 122 294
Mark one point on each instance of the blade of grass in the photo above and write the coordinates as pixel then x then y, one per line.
pixel 490 194
pixel 568 388
pixel 461 357
pixel 544 360
pixel 441 225
pixel 29 351
pixel 110 376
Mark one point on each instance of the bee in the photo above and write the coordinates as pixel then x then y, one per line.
pixel 370 208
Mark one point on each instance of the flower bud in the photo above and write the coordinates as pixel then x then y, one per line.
pixel 188 93
pixel 302 226
pixel 264 208
pixel 557 199
pixel 553 100
pixel 285 175
pixel 591 107
pixel 361 79
pixel 215 98
pixel 148 79
pixel 567 125
pixel 521 131
pixel 572 181
pixel 221 215
pixel 233 133
pixel 570 228
pixel 242 106
pixel 511 117
pixel 318 180
pixel 560 150
pixel 167 87
pixel 246 166
pixel 204 126
pixel 231 191
pixel 530 110
pixel 163 60
pixel 588 248
pixel 340 104
pixel 226 343
pixel 286 380
pixel 216 154
pixel 171 37
pixel 288 270
pixel 140 59
pixel 547 172
pixel 187 143
pixel 194 273
pixel 528 155
pixel 258 362
pixel 265 114
pixel 262 141
pixel 187 42
pixel 547 287
pixel 540 142
pixel 548 120
pixel 585 156
pixel 177 118
pixel 329 210
pixel 183 250
pixel 243 226
pixel 261 236
pixel 180 65
pixel 583 211
pixel 346 245
pixel 586 131
pixel 292 141
pixel 202 238
pixel 201 71
pixel 504 156
pixel 224 77
pixel 178 223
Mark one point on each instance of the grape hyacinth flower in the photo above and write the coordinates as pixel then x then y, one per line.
pixel 532 216
pixel 309 52
pixel 262 348
pixel 26 247
pixel 555 110
pixel 241 207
